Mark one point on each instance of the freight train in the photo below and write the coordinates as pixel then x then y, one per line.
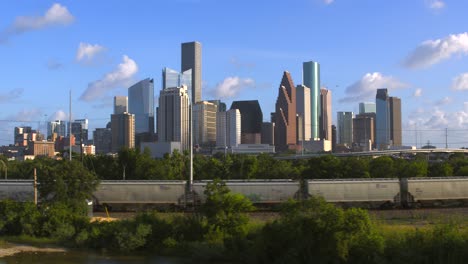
pixel 367 193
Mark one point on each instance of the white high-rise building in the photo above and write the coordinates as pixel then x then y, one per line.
pixel 228 128
pixel 173 116
pixel 303 109
pixel 204 123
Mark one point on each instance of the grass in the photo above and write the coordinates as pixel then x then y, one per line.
pixel 29 240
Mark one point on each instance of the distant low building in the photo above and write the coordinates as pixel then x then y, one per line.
pixel 159 149
pixel 41 148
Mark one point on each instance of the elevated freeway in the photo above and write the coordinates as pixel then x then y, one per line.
pixel 378 153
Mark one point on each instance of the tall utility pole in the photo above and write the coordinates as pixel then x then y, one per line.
pixel 69 129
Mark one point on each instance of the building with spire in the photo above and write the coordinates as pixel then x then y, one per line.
pixel 285 115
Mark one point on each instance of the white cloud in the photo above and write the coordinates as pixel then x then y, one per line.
pixel 444 101
pixel 231 86
pixel 11 95
pixel 119 77
pixel 55 15
pixel 59 115
pixel 88 51
pixel 417 92
pixel 436 4
pixel 460 82
pixel 431 52
pixel 366 88
pixel 327 2
pixel 439 119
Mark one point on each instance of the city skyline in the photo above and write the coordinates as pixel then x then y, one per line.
pixel 71 52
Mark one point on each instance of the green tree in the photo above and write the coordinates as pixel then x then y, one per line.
pixel 355 168
pixel 313 231
pixel 66 182
pixel 439 169
pixel 324 167
pixel 225 211
pixel 408 169
pixel 127 161
pixel 382 167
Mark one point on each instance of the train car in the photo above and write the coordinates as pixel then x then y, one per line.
pixel 17 190
pixel 436 192
pixel 260 192
pixel 137 195
pixel 366 193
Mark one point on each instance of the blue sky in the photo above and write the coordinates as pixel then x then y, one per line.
pixel 418 49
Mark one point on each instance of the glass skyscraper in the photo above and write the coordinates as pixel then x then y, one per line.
pixel 311 79
pixel 172 78
pixel 382 137
pixel 141 104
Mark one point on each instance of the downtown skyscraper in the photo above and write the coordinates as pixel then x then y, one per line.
pixel 325 117
pixel 228 129
pixel 388 120
pixel 141 104
pixel 192 59
pixel 285 115
pixel 173 116
pixel 345 128
pixel 311 79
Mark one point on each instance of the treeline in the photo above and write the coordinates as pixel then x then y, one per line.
pixel 130 164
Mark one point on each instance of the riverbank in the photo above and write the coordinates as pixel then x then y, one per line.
pixel 8 249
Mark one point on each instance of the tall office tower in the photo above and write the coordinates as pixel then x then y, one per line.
pixel 58 126
pixel 303 110
pixel 395 121
pixel 220 105
pixel 141 104
pixel 172 78
pixel 285 115
pixel 192 59
pixel 382 137
pixel 120 104
pixel 311 79
pixel 325 114
pixel 173 116
pixel 204 123
pixel 102 140
pixel 366 107
pixel 123 131
pixel 268 133
pixel 228 128
pixel 252 119
pixel 80 131
pixel 345 128
pixel 363 130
